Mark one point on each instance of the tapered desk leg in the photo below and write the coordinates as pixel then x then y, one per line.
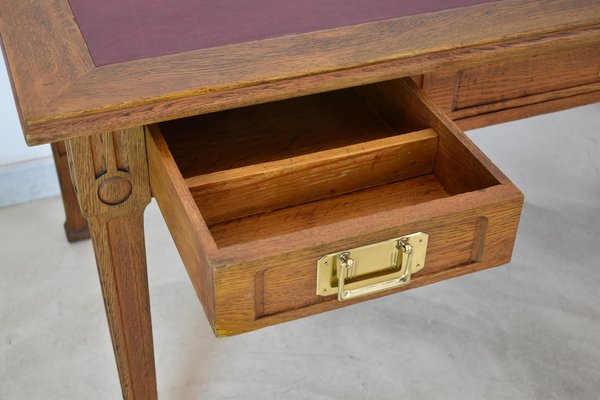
pixel 76 226
pixel 110 175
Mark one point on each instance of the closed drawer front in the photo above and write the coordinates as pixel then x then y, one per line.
pixel 256 197
pixel 554 76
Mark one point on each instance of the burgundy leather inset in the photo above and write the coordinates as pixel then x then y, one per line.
pixel 125 30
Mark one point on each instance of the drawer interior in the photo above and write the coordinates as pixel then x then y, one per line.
pixel 279 168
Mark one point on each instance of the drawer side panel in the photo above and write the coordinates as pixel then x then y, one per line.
pixel 182 217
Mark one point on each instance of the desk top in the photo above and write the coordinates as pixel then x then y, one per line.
pixel 117 31
pixel 81 67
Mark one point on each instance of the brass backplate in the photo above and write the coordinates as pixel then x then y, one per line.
pixel 375 263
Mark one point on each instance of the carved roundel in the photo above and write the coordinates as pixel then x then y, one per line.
pixel 114 191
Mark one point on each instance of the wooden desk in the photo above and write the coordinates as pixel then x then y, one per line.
pixel 84 68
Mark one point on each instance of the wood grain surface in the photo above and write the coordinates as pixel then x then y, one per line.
pixel 528 110
pixel 61 94
pixel 262 158
pixel 359 203
pixel 241 304
pixel 273 131
pixel 186 224
pixel 76 227
pixel 265 187
pixel 516 87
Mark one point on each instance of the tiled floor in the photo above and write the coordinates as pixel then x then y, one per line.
pixel 530 330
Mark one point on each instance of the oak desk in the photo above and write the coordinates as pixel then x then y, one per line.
pixel 89 77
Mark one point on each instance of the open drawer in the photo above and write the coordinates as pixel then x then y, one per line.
pixel 291 208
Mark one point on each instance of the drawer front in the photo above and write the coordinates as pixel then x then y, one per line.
pixel 285 184
pixel 459 243
pixel 557 77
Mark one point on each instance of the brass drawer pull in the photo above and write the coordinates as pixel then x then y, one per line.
pixel 363 271
pixel 349 265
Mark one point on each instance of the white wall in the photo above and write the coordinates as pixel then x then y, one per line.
pixel 12 145
pixel 26 173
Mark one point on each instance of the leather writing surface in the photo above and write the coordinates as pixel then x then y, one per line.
pixel 124 30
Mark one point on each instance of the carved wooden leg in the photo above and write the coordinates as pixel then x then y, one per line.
pixel 76 226
pixel 110 173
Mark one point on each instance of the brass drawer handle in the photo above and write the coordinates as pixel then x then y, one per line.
pixel 348 270
pixel 403 256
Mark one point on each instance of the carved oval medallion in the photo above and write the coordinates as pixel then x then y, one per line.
pixel 114 191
